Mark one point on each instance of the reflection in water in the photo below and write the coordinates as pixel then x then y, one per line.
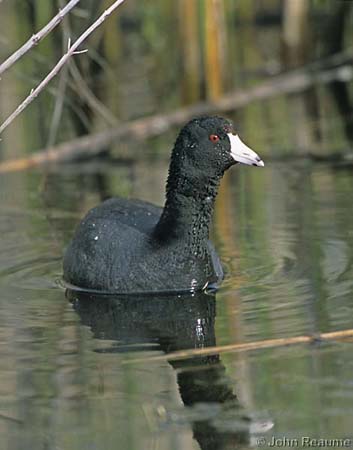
pixel 286 237
pixel 174 323
pixel 341 96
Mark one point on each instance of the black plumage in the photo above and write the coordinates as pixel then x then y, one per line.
pixel 129 246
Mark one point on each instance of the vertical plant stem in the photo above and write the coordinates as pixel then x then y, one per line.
pixel 295 32
pixel 190 50
pixel 214 48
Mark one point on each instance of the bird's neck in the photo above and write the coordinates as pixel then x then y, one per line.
pixel 187 214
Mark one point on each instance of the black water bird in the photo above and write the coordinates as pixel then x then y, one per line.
pixel 130 246
pixel 136 324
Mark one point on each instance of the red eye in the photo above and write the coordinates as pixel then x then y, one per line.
pixel 214 138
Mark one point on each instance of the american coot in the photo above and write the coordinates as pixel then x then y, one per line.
pixel 167 323
pixel 131 246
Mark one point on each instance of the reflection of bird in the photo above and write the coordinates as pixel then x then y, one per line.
pixel 128 246
pixel 175 323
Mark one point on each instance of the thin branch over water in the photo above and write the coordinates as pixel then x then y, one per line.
pixel 72 50
pixel 247 346
pixel 36 38
pixel 337 66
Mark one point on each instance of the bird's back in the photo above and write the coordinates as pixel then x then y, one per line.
pixel 107 240
pixel 113 250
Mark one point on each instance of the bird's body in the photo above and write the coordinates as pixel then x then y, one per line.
pixel 130 246
pixel 108 233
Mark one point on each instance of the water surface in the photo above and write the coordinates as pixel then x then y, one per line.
pixel 67 380
pixel 69 375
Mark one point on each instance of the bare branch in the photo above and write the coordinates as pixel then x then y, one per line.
pixel 71 51
pixel 58 108
pixel 329 69
pixel 248 346
pixel 33 41
pixel 83 90
pixel 62 84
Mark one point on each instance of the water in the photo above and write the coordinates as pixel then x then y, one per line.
pixel 81 373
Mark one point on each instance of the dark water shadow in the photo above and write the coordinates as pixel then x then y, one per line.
pixel 171 323
pixel 340 91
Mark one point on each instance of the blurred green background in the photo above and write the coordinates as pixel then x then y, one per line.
pixel 152 57
pixel 284 233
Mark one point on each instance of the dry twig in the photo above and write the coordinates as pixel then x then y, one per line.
pixel 325 71
pixel 86 93
pixel 247 346
pixel 36 38
pixel 72 50
pixel 58 108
